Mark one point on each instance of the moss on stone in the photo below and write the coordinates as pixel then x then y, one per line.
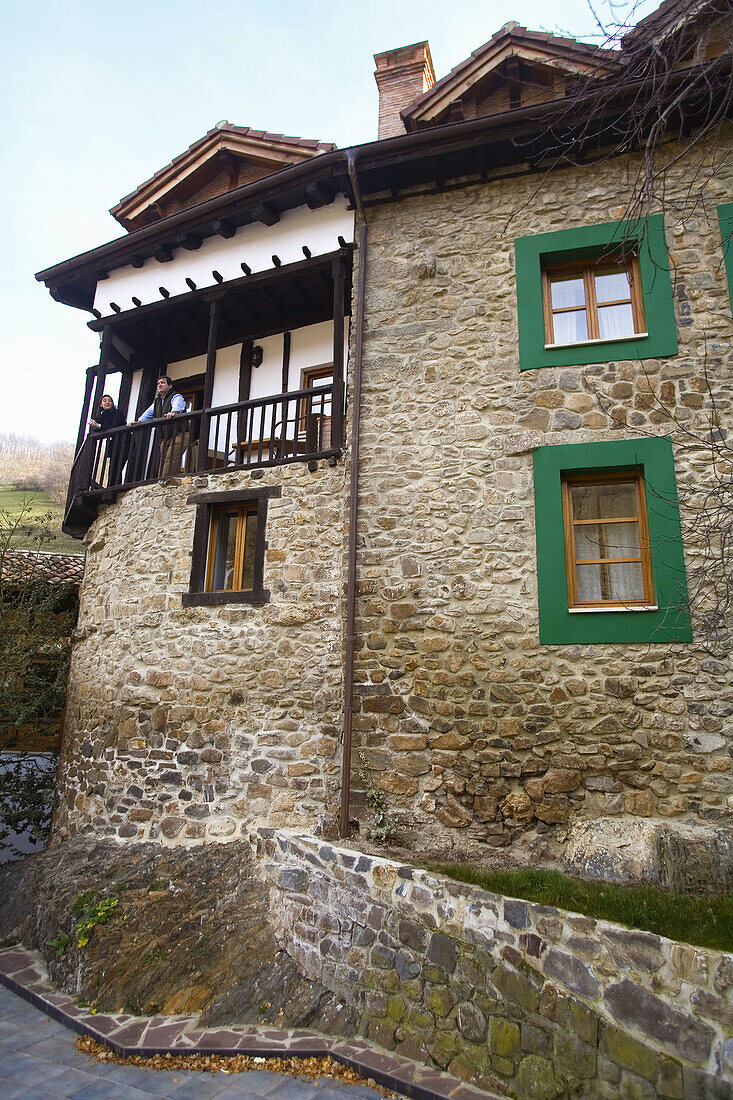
pixel 536 1079
pixel 504 1036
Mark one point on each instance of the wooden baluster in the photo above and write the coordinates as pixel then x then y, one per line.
pixel 88 386
pixel 310 428
pixel 228 439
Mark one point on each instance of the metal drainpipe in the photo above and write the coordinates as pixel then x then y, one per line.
pixel 353 507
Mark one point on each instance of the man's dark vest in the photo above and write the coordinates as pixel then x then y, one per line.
pixel 162 405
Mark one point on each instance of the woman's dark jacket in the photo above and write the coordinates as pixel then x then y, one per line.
pixel 108 419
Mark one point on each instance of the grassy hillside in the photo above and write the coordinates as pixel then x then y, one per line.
pixel 11 504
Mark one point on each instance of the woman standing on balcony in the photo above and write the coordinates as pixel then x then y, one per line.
pixel 106 418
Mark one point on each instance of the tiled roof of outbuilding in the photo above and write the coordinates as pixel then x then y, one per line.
pixel 19 566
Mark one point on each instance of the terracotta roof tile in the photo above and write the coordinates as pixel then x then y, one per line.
pixel 243 131
pixel 19 566
pixel 667 17
pixel 514 30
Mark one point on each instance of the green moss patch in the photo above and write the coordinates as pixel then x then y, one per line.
pixel 702 921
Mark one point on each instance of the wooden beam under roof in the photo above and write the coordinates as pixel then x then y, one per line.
pixel 316 264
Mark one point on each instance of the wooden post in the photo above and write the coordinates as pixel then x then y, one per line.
pixel 245 385
pixel 146 393
pixel 214 309
pixel 91 372
pixel 102 368
pixel 339 283
pixel 286 362
pixel 124 398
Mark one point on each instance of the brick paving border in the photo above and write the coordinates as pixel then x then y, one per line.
pixel 23 973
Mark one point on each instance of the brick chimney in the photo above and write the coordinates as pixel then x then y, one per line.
pixel 401 75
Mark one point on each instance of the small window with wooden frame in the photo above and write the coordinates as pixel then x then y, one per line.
pixel 594 294
pixel 230 565
pixel 596 300
pixel 229 547
pixel 315 413
pixel 312 379
pixel 607 554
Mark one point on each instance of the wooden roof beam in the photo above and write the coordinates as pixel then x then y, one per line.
pixel 317 266
pixel 266 213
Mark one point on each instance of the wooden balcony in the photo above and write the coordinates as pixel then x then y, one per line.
pixel 298 426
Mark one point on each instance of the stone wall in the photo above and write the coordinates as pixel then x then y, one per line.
pixel 477 736
pixel 184 723
pixel 553 1004
pixel 187 723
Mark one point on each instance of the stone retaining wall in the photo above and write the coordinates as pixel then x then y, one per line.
pixel 554 1004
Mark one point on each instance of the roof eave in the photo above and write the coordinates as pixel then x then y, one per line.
pixel 73 281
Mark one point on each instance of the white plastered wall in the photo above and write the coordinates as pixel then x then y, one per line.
pixel 311 346
pixel 253 244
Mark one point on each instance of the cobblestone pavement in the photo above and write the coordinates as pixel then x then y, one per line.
pixel 38 1061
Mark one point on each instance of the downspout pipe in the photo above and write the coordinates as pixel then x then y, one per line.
pixel 348 709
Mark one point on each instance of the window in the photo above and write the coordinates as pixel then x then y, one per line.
pixel 315 413
pixel 596 300
pixel 610 564
pixel 607 559
pixel 582 298
pixel 725 217
pixel 231 557
pixel 228 558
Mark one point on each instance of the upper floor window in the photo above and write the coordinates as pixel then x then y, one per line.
pixel 610 563
pixel 316 411
pixel 594 294
pixel 595 300
pixel 607 558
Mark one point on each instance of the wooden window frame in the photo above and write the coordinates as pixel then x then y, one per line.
pixel 669 620
pixel 587 270
pixel 568 482
pixel 644 237
pixel 208 507
pixel 308 376
pixel 242 512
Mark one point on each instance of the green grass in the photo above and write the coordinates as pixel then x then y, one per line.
pixel 11 502
pixel 706 921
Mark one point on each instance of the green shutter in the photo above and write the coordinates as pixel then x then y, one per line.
pixel 725 217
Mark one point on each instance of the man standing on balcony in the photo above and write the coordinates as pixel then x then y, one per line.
pixel 167 402
pixel 168 445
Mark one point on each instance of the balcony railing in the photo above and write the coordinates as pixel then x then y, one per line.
pixel 299 426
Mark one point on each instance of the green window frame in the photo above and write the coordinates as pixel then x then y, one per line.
pixel 725 217
pixel 669 620
pixel 645 237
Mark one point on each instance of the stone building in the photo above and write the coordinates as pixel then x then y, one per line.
pixel 455 411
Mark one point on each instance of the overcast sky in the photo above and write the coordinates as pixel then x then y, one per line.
pixel 95 97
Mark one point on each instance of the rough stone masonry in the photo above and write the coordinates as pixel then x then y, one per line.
pixel 190 724
pixel 474 733
pixel 554 1004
